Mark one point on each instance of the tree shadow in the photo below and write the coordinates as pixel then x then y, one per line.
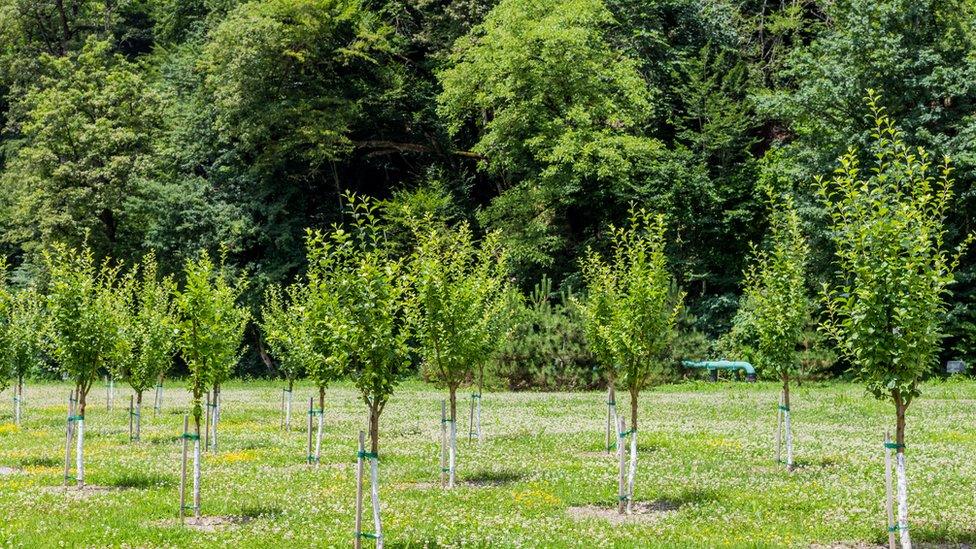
pixel 823 462
pixel 140 480
pixel 262 511
pixel 488 477
pixel 39 461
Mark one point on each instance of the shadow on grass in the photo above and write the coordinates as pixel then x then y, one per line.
pixel 140 481
pixel 162 440
pixel 926 536
pixel 260 511
pixel 256 444
pixel 819 462
pixel 38 461
pixel 695 496
pixel 493 478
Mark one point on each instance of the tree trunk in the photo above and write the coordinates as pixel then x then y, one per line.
pixel 611 413
pixel 786 421
pixel 80 427
pixel 374 428
pixel 900 407
pixel 138 413
pixel 634 392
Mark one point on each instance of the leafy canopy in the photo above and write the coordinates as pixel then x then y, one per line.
pixel 286 325
pixel 775 286
pixel 86 314
pixel 635 306
pixel 459 285
pixel 887 308
pixel 554 108
pixel 90 124
pixel 150 326
pixel 359 299
pixel 211 323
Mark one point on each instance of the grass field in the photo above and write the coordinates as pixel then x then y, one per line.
pixel 706 459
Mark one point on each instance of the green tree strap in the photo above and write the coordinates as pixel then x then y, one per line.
pixel 190 436
pixel 368 535
pixel 897 527
pixel 623 498
pixel 211 405
pixel 475 395
pixel 893 445
pixel 312 457
pixel 134 413
pixel 784 408
pixel 316 412
pixel 159 385
pixel 445 469
pixel 76 418
pixel 448 420
pixel 627 433
pixel 367 455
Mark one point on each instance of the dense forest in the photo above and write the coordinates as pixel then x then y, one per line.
pixel 170 126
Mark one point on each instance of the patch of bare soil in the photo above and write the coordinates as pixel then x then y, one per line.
pixel 209 523
pixel 642 511
pixel 6 471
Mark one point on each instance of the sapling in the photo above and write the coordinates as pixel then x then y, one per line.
pixel 642 308
pixel 458 285
pixel 887 307
pixel 284 324
pixel 210 332
pixel 362 315
pixel 363 318
pixel 6 362
pixel 595 312
pixel 776 289
pixel 150 331
pixel 85 321
pixel 24 346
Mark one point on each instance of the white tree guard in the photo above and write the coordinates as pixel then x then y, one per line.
pixel 906 540
pixel 318 438
pixel 80 452
pixel 196 477
pixel 375 496
pixel 452 456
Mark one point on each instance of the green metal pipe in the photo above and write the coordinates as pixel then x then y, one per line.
pixel 715 365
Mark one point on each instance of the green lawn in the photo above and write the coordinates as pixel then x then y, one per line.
pixel 705 450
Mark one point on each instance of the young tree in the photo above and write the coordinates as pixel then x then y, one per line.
pixel 150 330
pixel 211 329
pixel 642 308
pixel 596 314
pixel 458 285
pixel 887 308
pixel 285 324
pixel 363 312
pixel 775 285
pixel 24 340
pixel 85 323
